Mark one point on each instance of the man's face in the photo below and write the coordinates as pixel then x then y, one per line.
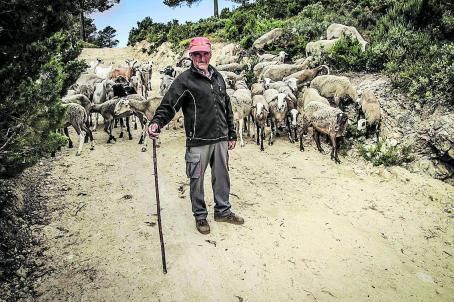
pixel 201 59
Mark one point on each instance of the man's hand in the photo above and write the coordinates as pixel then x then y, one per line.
pixel 231 145
pixel 153 131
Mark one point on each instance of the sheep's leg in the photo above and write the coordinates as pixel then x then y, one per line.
pixel 128 128
pixel 270 142
pixel 135 122
pixel 121 126
pixel 377 131
pixel 335 149
pixel 95 123
pixel 257 129
pixel 316 136
pixel 301 142
pixel 116 123
pixel 240 130
pixel 108 129
pixel 262 137
pixel 81 142
pixel 70 142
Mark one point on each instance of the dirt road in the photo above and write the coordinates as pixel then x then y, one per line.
pixel 314 231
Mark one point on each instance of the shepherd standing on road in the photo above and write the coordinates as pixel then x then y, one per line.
pixel 208 121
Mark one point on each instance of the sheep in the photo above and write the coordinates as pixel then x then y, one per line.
pixel 288 87
pixel 241 101
pixel 146 70
pixel 107 110
pixel 77 116
pixel 278 72
pixel 100 95
pixel 226 59
pixel 295 124
pixel 259 112
pixel 92 65
pixel 138 104
pixel 78 99
pixel 258 68
pixel 311 95
pixel 230 49
pixel 166 82
pixel 241 84
pixel 231 78
pixel 304 61
pixel 233 67
pixel 325 120
pixel 257 88
pixel 307 75
pixel 184 62
pixel 337 30
pixel 369 107
pixel 277 110
pixel 127 72
pixel 267 57
pixel 268 38
pixel 318 47
pixel 104 72
pixel 337 87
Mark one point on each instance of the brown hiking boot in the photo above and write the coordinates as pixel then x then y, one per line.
pixel 230 218
pixel 202 226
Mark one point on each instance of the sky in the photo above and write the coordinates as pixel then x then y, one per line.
pixel 125 15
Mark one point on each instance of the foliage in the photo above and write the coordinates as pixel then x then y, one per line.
pixel 384 154
pixel 35 70
pixel 106 37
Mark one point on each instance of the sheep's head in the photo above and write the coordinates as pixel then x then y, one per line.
pixel 122 106
pixel 282 102
pixel 292 83
pixel 293 114
pixel 341 122
pixel 362 124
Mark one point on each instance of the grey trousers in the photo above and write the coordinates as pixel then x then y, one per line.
pixel 197 160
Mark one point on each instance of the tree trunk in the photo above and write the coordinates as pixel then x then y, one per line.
pixel 216 8
pixel 82 26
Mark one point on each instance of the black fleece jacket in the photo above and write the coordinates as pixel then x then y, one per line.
pixel 208 116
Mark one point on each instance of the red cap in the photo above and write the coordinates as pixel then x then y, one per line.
pixel 199 44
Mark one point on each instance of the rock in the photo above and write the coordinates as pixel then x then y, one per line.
pixel 441 136
pixel 22 272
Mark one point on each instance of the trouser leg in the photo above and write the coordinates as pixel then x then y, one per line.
pixel 220 179
pixel 197 159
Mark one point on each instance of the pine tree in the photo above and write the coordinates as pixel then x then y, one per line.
pixel 106 37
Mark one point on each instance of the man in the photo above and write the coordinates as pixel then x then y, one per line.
pixel 208 120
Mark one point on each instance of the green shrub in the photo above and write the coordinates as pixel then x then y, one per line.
pixel 383 154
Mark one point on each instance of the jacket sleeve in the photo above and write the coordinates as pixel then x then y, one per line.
pixel 229 117
pixel 170 104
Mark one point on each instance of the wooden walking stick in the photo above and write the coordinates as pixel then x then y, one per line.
pixel 161 238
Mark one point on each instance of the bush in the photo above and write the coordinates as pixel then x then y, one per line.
pixel 384 154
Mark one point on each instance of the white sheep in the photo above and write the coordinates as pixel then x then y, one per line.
pixel 278 72
pixel 318 47
pixel 233 67
pixel 230 49
pixel 337 30
pixel 369 107
pixel 241 101
pixel 258 68
pixel 260 113
pixel 268 38
pixel 337 87
pixel 307 75
pixel 310 95
pixel 257 88
pixel 268 57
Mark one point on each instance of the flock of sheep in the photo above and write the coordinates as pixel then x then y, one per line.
pixel 287 98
